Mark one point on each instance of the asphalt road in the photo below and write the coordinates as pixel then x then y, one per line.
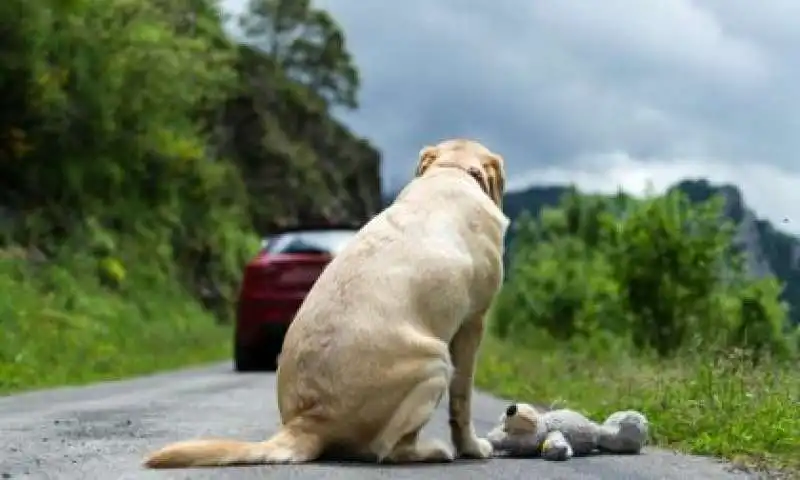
pixel 103 431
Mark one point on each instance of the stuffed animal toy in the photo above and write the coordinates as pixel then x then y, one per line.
pixel 562 434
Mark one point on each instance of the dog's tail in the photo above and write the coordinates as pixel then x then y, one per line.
pixel 287 446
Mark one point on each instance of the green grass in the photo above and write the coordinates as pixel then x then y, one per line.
pixel 718 407
pixel 61 326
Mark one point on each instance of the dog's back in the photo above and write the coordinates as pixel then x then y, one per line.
pixel 393 297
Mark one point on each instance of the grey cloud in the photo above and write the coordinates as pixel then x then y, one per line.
pixel 547 83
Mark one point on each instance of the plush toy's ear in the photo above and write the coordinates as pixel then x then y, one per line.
pixel 427 156
pixel 496 178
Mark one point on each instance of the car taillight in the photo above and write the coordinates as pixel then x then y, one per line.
pixel 266 269
pixel 283 273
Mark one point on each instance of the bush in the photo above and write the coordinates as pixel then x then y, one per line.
pixel 658 273
pixel 62 326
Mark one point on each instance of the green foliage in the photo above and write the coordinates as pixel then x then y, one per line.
pixel 111 272
pixel 142 154
pixel 557 295
pixel 767 248
pixel 285 144
pixel 134 117
pixel 113 140
pixel 62 326
pixel 658 273
pixel 307 44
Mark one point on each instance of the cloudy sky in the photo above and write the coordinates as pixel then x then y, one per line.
pixel 619 92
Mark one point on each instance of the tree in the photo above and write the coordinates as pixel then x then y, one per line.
pixel 658 273
pixel 307 44
pixel 141 119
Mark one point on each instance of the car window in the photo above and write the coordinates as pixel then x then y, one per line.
pixel 310 241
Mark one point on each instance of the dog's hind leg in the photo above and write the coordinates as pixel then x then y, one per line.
pixel 413 449
pixel 398 440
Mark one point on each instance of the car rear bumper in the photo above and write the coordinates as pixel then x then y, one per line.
pixel 267 335
pixel 264 321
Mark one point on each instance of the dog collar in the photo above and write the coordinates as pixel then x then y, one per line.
pixel 471 171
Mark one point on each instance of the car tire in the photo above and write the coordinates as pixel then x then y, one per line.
pixel 255 358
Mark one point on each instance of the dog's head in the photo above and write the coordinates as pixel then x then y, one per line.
pixel 521 418
pixel 472 157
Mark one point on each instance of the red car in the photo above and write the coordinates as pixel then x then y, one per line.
pixel 274 285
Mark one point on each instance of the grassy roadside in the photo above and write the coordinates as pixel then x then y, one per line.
pixel 725 408
pixel 61 326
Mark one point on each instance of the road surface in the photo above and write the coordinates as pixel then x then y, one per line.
pixel 102 432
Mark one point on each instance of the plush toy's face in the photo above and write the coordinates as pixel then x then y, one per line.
pixel 520 418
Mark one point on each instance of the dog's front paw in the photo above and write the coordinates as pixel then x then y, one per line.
pixel 496 437
pixel 475 447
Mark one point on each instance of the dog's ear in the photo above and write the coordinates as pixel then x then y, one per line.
pixel 496 178
pixel 426 157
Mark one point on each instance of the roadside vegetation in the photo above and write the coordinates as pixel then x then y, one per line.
pixel 615 303
pixel 142 153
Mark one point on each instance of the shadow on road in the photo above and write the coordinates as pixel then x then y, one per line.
pixel 331 462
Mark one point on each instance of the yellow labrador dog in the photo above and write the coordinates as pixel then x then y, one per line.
pixel 392 323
